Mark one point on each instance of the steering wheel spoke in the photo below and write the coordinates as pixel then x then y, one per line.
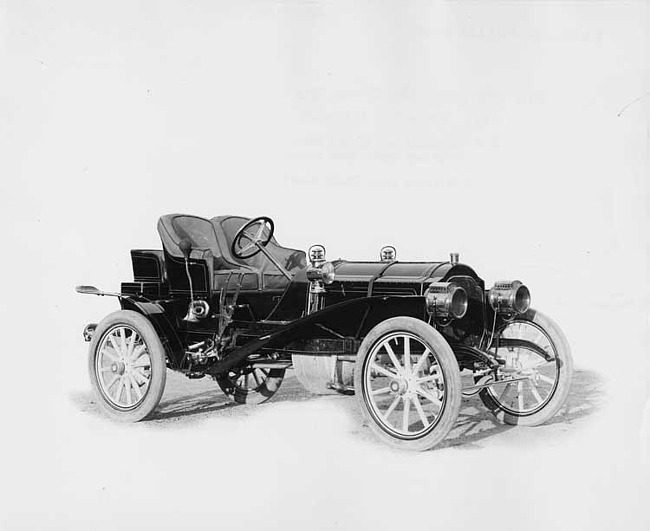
pixel 257 227
pixel 260 231
pixel 257 243
pixel 247 247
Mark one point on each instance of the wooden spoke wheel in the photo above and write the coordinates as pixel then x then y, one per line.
pixel 127 366
pixel 251 385
pixel 407 382
pixel 540 387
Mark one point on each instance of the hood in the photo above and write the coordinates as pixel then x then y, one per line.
pixel 387 277
pixel 347 271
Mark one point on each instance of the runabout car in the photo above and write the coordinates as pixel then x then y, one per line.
pixel 224 299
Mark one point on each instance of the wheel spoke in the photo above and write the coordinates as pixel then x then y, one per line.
pixel 136 387
pixel 391 355
pixel 420 362
pixel 426 394
pixel 407 355
pixel 131 344
pixel 110 384
pixel 418 407
pixel 118 388
pixel 122 336
pixel 114 344
pixel 430 378
pixel 503 393
pixel 520 395
pixel 392 407
pixel 139 377
pixel 141 371
pixel 127 387
pixel 546 379
pixel 538 337
pixel 405 413
pixel 381 391
pixel 256 378
pixel 142 362
pixel 383 371
pixel 534 391
pixel 537 364
pixel 107 369
pixel 137 352
pixel 112 354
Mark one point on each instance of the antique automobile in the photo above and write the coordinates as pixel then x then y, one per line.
pixel 224 299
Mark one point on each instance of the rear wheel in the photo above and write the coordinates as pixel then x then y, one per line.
pixel 127 368
pixel 407 383
pixel 543 385
pixel 251 385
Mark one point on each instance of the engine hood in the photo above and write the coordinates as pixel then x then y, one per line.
pixel 347 271
pixel 386 274
pixel 355 279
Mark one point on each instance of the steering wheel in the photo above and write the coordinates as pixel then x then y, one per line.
pixel 253 231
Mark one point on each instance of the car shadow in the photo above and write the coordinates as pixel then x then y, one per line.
pixel 186 400
pixel 475 423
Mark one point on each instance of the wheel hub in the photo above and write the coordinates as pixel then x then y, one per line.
pixel 399 386
pixel 118 368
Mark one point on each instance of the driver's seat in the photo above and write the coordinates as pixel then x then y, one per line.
pixel 293 260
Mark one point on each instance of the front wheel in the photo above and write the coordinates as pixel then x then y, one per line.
pixel 407 383
pixel 540 385
pixel 126 362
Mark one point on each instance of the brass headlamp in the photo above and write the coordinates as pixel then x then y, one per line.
pixel 446 299
pixel 509 296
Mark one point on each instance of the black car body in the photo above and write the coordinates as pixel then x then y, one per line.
pixel 223 298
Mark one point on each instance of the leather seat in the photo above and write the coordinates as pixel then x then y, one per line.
pixel 211 241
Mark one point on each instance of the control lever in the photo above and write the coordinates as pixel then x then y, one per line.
pixel 185 246
pixel 197 309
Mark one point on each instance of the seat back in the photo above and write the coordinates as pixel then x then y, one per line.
pixel 200 231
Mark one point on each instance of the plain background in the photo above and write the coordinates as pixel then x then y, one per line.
pixel 514 133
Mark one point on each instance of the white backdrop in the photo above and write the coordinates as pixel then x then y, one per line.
pixel 514 133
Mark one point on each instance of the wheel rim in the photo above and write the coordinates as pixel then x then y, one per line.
pixel 526 397
pixel 404 386
pixel 123 367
